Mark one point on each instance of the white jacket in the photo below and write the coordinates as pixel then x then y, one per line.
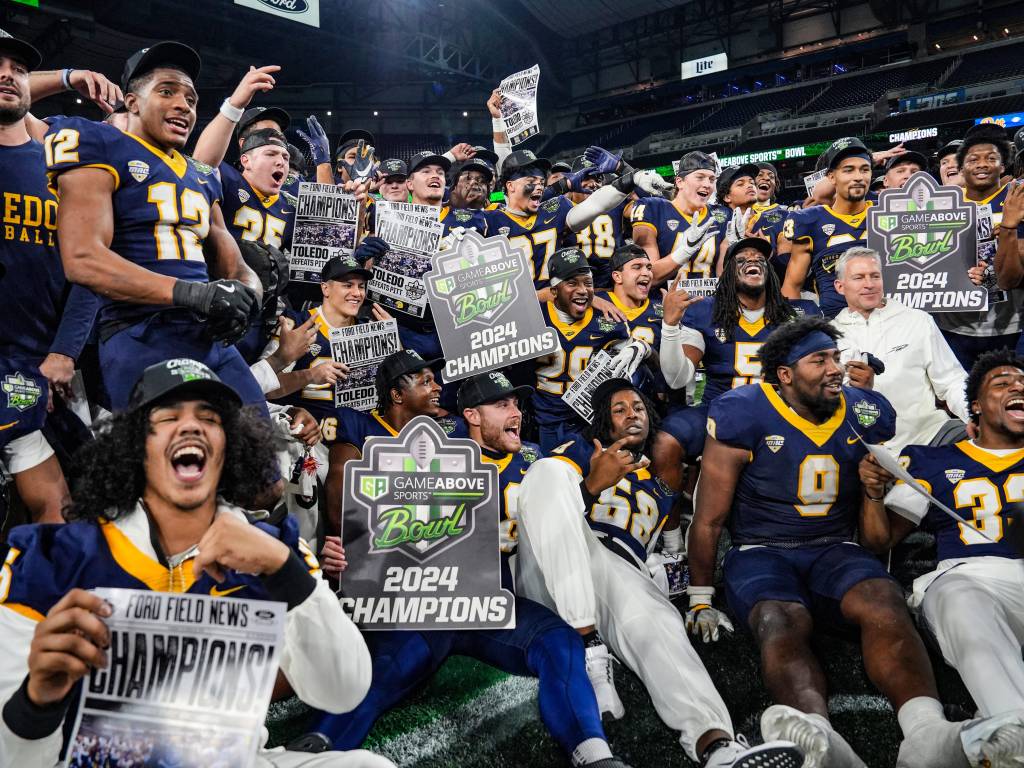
pixel 919 367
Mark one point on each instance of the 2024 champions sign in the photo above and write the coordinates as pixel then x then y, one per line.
pixel 420 528
pixel 485 307
pixel 926 236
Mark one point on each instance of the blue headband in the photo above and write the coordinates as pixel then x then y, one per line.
pixel 815 341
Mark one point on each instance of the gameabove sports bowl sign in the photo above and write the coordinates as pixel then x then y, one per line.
pixel 420 528
pixel 926 236
pixel 303 11
pixel 485 307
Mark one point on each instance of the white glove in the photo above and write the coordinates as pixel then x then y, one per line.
pixel 452 239
pixel 696 236
pixel 652 183
pixel 702 619
pixel 672 541
pixel 736 229
pixel 625 363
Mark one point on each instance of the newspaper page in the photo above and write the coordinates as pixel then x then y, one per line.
pixel 414 233
pixel 362 348
pixel 188 682
pixel 519 104
pixel 699 286
pixel 326 225
pixel 577 395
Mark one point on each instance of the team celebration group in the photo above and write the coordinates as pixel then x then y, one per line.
pixel 168 423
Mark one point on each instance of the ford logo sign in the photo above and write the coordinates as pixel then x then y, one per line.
pixel 288 6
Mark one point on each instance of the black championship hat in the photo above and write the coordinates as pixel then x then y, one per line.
pixel 560 167
pixel 762 245
pixel 256 114
pixel 351 138
pixel 399 363
pixel 342 266
pixel 262 138
pixel 907 157
pixel 19 49
pixel 848 146
pixel 627 253
pixel 730 174
pixel 181 376
pixel 164 54
pixel 696 161
pixel 949 149
pixel 608 388
pixel 475 164
pixel 394 167
pixel 522 159
pixel 486 388
pixel 427 157
pixel 565 263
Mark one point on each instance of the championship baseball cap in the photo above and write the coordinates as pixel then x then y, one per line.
pixel 848 146
pixel 255 114
pixel 341 266
pixel 352 137
pixel 475 164
pixel 731 174
pixel 427 157
pixel 521 160
pixel 606 389
pixel 20 49
pixel 907 157
pixel 566 262
pixel 486 388
pixel 179 376
pixel 394 167
pixel 949 149
pixel 696 161
pixel 166 53
pixel 627 253
pixel 486 154
pixel 560 167
pixel 262 138
pixel 759 243
pixel 400 363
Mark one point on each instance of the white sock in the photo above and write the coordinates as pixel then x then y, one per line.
pixel 919 711
pixel 590 751
pixel 820 720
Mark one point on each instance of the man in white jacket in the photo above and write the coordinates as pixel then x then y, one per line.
pixel 920 368
pixel 154 509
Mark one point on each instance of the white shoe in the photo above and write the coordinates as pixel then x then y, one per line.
pixel 599 670
pixel 771 754
pixel 822 746
pixel 994 742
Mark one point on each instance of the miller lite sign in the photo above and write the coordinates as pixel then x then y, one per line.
pixel 705 66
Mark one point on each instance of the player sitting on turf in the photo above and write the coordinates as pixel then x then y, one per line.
pixel 154 509
pixel 541 645
pixel 972 602
pixel 781 467
pixel 582 553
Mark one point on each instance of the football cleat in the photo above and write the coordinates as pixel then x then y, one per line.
pixel 822 747
pixel 602 677
pixel 309 742
pixel 771 754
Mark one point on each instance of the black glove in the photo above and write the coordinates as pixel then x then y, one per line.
pixel 875 364
pixel 371 248
pixel 227 305
pixel 270 266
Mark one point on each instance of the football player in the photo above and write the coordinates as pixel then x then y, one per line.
pixel 769 217
pixel 737 194
pixel 781 468
pixel 255 207
pixel 541 645
pixel 945 160
pixel 899 168
pixel 43 333
pixel 471 184
pixel 821 233
pixel 159 506
pixel 582 553
pixel 972 601
pixel 394 173
pixel 139 224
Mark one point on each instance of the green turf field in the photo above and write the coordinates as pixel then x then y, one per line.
pixel 471 716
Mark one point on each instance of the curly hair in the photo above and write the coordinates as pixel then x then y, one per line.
pixel 986 362
pixel 108 475
pixel 775 350
pixel 727 308
pixel 601 427
pixel 402 383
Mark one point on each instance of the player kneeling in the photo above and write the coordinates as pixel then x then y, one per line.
pixel 584 557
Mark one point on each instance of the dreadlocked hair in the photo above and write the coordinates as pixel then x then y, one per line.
pixel 986 362
pixel 775 350
pixel 384 400
pixel 727 307
pixel 601 427
pixel 108 474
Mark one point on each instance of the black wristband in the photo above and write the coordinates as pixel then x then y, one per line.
pixel 191 295
pixel 291 583
pixel 625 183
pixel 31 721
pixel 588 497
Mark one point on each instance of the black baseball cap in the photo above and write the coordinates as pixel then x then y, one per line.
pixel 606 389
pixel 255 114
pixel 352 137
pixel 394 167
pixel 180 376
pixel 262 138
pixel 731 174
pixel 696 161
pixel 168 53
pixel 950 149
pixel 342 266
pixel 486 154
pixel 566 262
pixel 878 182
pixel 521 159
pixel 768 167
pixel 399 363
pixel 296 158
pixel 20 49
pixel 759 243
pixel 486 388
pixel 907 157
pixel 475 163
pixel 627 253
pixel 560 167
pixel 848 146
pixel 427 157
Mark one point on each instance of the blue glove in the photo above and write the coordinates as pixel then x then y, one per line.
pixel 601 160
pixel 317 139
pixel 575 180
pixel 371 248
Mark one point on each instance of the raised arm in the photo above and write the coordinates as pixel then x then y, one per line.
pixel 213 142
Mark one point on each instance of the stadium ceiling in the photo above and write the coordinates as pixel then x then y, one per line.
pixel 583 16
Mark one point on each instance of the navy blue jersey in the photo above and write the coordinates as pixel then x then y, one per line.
pixel 670 224
pixel 538 234
pixel 733 363
pixel 577 343
pixel 250 215
pixel 161 201
pixel 644 321
pixel 975 483
pixel 768 221
pixel 511 468
pixel 633 511
pixel 352 427
pixel 829 234
pixel 599 241
pixel 40 312
pixel 463 217
pixel 801 482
